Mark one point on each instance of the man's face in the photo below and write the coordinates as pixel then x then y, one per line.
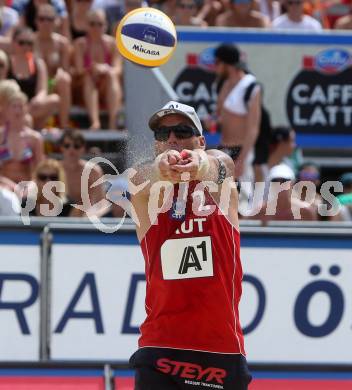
pixel 72 150
pixel 294 7
pixel 220 69
pixel 176 143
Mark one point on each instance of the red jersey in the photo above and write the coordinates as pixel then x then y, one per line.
pixel 194 275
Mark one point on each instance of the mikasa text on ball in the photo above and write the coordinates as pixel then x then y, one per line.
pixel 146 36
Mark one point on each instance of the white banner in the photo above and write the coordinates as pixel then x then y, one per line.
pixel 296 305
pixel 97 301
pixel 303 302
pixel 19 302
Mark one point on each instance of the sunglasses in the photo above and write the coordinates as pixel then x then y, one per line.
pixel 45 19
pixel 69 146
pixel 294 2
pixel 23 42
pixel 45 177
pixel 180 132
pixel 96 24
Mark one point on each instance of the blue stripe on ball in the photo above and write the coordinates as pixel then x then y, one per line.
pixel 149 33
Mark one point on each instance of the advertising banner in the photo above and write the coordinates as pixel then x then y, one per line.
pixel 306 78
pixel 19 296
pixel 295 306
pixel 97 301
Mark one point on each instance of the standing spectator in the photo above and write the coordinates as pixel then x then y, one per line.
pixel 28 10
pixel 73 148
pixel 282 146
pixel 239 120
pixel 31 74
pixel 54 49
pixel 240 13
pixel 21 148
pixel 295 19
pixel 97 59
pixel 9 19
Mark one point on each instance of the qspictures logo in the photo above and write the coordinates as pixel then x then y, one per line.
pixel 193 374
pixel 319 98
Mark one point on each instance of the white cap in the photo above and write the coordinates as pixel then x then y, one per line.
pixel 176 108
pixel 281 171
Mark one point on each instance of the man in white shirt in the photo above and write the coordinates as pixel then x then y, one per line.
pixel 295 19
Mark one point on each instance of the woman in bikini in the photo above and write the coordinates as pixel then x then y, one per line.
pixel 54 49
pixel 99 63
pixel 21 148
pixel 31 74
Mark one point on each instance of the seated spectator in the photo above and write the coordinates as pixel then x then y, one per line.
pixel 7 89
pixel 54 49
pixel 345 22
pixel 47 171
pixel 186 12
pixel 270 8
pixel 282 146
pixel 130 5
pixel 4 65
pixel 282 205
pixel 310 172
pixel 31 74
pixel 79 18
pixel 28 10
pixel 21 148
pixel 345 199
pixel 210 10
pixel 98 61
pixel 295 19
pixel 9 19
pixel 9 203
pixel 73 148
pixel 240 13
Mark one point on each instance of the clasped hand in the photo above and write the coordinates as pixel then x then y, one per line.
pixel 177 166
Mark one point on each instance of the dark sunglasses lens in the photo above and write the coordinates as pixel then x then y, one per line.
pixel 162 134
pixel 75 146
pixel 180 132
pixel 183 134
pixel 44 177
pixel 25 43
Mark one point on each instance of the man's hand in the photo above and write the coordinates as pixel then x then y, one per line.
pixel 176 167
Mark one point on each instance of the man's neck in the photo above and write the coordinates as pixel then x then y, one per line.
pixel 72 163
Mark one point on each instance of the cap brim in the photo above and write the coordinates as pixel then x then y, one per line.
pixel 156 117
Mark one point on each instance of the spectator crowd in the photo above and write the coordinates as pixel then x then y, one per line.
pixel 56 54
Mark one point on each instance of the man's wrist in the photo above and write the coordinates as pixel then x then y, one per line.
pixel 204 165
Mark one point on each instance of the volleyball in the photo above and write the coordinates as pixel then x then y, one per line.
pixel 147 37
